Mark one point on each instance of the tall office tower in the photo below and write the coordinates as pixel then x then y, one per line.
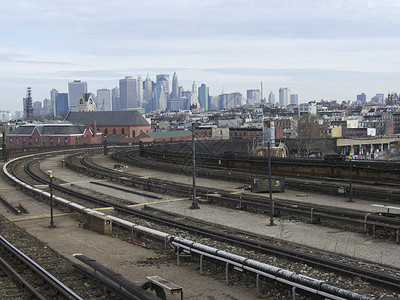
pixel 53 95
pixel 271 98
pixel 75 89
pixel 194 101
pixel 37 108
pixel 254 96
pixel 128 93
pixel 362 98
pixel 203 96
pixel 28 105
pixel 175 87
pixel 47 110
pixel 165 79
pixel 115 104
pixel 62 104
pixel 103 100
pixel 294 99
pixel 161 94
pixel 284 96
pixel 140 91
pixel 148 89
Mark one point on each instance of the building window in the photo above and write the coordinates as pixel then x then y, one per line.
pixel 17 140
pixel 36 140
pixel 30 140
pixel 23 140
pixel 10 140
pixel 51 141
pixel 106 131
pixel 66 141
pixel 122 131
pixel 44 141
pixel 58 141
pixel 133 133
pixel 114 131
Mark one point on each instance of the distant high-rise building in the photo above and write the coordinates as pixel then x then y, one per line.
pixel 75 89
pixel 204 97
pixel 165 81
pixel 284 96
pixel 175 87
pixel 161 92
pixel 140 91
pixel 115 99
pixel 194 102
pixel 253 96
pixel 37 108
pixel 128 93
pixel 53 95
pixel 46 110
pixel 62 104
pixel 103 102
pixel 294 99
pixel 362 98
pixel 271 98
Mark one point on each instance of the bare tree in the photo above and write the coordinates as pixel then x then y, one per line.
pixel 306 132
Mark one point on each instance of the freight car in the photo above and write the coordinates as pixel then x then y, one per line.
pixel 259 185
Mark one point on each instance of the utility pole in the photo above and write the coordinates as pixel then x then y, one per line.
pixel 271 201
pixel 194 202
pixel 351 178
pixel 50 174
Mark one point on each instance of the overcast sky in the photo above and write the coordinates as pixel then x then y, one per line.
pixel 321 49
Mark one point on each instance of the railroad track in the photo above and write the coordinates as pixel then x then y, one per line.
pixel 377 225
pixel 168 161
pixel 334 266
pixel 38 283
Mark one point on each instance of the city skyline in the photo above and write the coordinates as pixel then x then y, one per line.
pixel 332 50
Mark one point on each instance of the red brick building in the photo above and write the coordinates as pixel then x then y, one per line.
pixel 42 135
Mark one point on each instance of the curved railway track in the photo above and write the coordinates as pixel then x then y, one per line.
pixel 385 226
pixel 334 266
pixel 294 170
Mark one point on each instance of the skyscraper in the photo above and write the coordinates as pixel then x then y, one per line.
pixel 61 104
pixel 284 96
pixel 115 99
pixel 253 96
pixel 140 91
pixel 294 99
pixel 128 93
pixel 161 92
pixel 175 87
pixel 194 101
pixel 53 95
pixel 271 98
pixel 103 100
pixel 75 89
pixel 362 98
pixel 165 79
pixel 203 96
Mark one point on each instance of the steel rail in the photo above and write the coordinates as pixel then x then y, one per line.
pixel 50 279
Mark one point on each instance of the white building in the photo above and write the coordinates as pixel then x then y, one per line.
pixel 284 96
pixel 86 102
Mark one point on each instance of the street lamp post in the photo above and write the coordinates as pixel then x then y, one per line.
pixel 351 179
pixel 194 205
pixel 50 174
pixel 271 201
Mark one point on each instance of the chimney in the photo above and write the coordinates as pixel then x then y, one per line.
pixel 94 128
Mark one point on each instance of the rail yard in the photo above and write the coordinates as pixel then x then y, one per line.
pixel 323 247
